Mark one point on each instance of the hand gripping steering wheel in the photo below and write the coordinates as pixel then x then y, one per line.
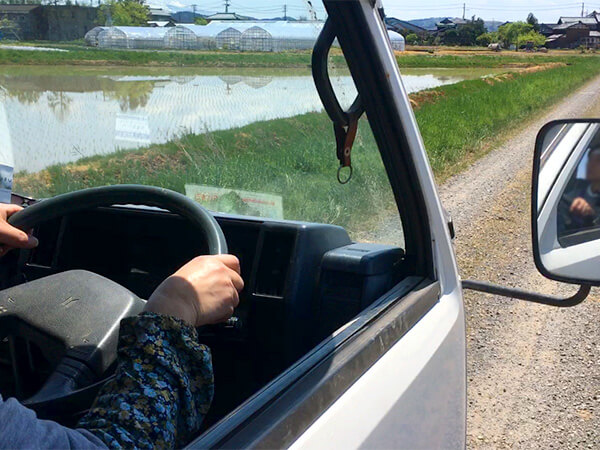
pixel 73 316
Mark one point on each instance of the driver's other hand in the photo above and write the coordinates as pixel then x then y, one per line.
pixel 581 207
pixel 204 291
pixel 11 237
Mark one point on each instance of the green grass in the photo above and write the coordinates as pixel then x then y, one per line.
pixel 79 55
pixel 295 157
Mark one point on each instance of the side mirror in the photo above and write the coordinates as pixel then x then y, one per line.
pixel 565 210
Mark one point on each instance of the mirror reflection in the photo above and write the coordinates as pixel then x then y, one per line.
pixel 579 209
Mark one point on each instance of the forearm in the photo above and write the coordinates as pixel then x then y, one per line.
pixel 20 428
pixel 162 388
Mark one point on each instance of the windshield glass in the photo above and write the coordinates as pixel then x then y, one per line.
pixel 250 138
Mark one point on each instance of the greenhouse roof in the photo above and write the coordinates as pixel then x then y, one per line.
pixel 214 28
pixel 279 30
pixel 142 32
pixel 292 30
pixel 394 36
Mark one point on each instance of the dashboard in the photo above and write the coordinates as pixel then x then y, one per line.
pixel 302 280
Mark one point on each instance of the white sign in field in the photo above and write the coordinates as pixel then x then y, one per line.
pixel 235 201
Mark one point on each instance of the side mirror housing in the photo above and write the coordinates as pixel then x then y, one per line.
pixel 565 210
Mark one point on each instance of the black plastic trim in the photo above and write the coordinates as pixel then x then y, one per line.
pixel 279 413
pixel 534 200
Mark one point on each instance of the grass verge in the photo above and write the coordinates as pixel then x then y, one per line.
pixel 295 157
pixel 78 55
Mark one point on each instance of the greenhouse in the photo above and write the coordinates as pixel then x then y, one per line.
pixel 397 40
pixel 91 37
pixel 256 39
pixel 201 37
pixel 132 37
pixel 250 36
pixel 286 36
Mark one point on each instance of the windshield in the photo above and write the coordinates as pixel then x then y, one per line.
pixel 248 139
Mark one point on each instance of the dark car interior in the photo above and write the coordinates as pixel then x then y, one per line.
pixel 303 281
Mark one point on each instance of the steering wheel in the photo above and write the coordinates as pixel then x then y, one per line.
pixel 73 316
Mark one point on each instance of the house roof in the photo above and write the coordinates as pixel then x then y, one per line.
pixel 564 26
pixel 17 9
pixel 160 23
pixel 397 24
pixel 451 21
pixel 585 20
pixel 227 16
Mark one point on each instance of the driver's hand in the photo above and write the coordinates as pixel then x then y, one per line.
pixel 11 237
pixel 580 207
pixel 204 291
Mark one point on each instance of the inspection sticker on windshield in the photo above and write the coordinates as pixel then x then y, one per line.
pixel 235 201
pixel 6 182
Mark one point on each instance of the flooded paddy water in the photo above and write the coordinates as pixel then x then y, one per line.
pixel 51 115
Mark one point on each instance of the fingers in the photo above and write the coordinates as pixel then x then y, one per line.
pixel 581 207
pixel 236 279
pixel 230 261
pixel 13 237
pixel 8 210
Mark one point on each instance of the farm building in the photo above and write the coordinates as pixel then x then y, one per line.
pixel 397 40
pixel 91 37
pixel 133 37
pixel 249 36
pixel 205 37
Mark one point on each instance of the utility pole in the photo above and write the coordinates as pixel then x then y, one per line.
pixel 464 10
pixel 194 9
pixel 227 3
pixel 284 12
pixel 582 8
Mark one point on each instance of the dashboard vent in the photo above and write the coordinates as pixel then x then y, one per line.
pixel 274 263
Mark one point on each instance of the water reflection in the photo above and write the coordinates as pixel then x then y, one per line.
pixel 48 119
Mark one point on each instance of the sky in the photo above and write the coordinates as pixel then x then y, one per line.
pixel 544 10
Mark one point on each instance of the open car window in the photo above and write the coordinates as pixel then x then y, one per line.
pixel 243 142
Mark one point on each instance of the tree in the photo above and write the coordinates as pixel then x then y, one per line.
pixel 9 29
pixel 465 34
pixel 124 13
pixel 510 32
pixel 412 39
pixel 469 32
pixel 535 38
pixel 451 37
pixel 532 20
pixel 200 21
pixel 488 38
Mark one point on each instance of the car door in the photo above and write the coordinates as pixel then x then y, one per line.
pixel 394 377
pixel 414 395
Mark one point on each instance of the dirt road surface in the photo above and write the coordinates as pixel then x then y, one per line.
pixel 533 371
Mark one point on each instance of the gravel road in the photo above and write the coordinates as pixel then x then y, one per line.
pixel 533 371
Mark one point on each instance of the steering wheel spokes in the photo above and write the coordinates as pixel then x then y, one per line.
pixel 73 316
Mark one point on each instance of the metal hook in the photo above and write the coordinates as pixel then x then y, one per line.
pixel 339 175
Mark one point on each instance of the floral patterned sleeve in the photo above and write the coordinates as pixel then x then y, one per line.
pixel 162 389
